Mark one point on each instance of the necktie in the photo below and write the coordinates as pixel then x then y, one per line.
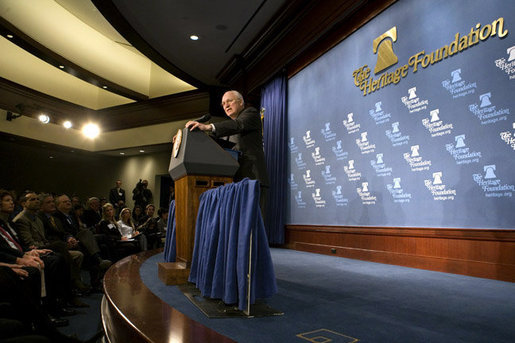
pixel 10 240
pixel 52 221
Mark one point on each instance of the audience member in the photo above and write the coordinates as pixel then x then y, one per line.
pixel 162 222
pixel 32 236
pixel 92 214
pixel 76 201
pixel 88 243
pixel 55 234
pixel 137 214
pixel 22 319
pixel 56 272
pixel 141 195
pixel 128 230
pixel 117 196
pixel 148 225
pixel 119 247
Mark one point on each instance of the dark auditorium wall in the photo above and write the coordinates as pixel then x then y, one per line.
pixel 86 174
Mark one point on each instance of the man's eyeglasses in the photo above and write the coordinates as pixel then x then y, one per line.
pixel 229 101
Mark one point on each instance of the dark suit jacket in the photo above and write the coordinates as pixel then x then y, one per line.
pixel 247 132
pixel 7 253
pixel 114 197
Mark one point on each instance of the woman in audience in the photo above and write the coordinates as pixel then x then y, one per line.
pixel 118 247
pixel 128 230
pixel 137 214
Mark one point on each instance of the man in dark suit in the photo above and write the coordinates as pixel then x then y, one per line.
pixel 117 196
pixel 246 131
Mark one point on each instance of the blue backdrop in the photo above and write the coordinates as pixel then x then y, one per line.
pixel 433 148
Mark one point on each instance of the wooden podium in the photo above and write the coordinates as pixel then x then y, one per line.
pixel 197 164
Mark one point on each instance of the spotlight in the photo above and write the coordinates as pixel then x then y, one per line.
pixel 194 37
pixel 91 130
pixel 45 119
pixel 67 124
pixel 142 151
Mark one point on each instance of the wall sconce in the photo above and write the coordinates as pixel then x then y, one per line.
pixel 11 116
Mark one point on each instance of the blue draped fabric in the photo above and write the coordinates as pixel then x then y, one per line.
pixel 226 218
pixel 273 100
pixel 170 248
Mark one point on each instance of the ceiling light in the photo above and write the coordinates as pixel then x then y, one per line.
pixel 91 130
pixel 67 124
pixel 122 153
pixel 105 87
pixel 142 151
pixel 61 66
pixel 10 36
pixel 194 37
pixel 44 118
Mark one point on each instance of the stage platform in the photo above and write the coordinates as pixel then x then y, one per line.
pixel 132 313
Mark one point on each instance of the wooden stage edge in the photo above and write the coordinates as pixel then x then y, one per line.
pixel 132 313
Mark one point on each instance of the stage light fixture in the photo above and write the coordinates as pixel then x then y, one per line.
pixel 43 118
pixel 11 116
pixel 194 37
pixel 91 130
pixel 67 124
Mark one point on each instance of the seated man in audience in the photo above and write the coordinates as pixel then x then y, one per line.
pixel 54 233
pixel 22 319
pixel 148 225
pixel 92 215
pixel 31 231
pixel 28 263
pixel 87 241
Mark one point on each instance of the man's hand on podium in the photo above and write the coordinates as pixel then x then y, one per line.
pixel 192 125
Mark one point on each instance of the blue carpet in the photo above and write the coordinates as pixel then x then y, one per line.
pixel 344 300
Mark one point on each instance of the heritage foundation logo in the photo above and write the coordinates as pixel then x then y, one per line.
pixel 491 184
pixel 292 146
pixel 398 194
pixel 461 153
pixel 310 142
pixel 379 116
pixel 457 86
pixel 298 199
pixel 395 135
pixel 328 177
pixel 352 174
pixel 292 183
pixel 338 196
pixel 327 133
pixel 366 197
pixel 350 125
pixel 421 60
pixel 507 66
pixel 299 162
pixel 317 198
pixel 486 112
pixel 338 151
pixel 435 125
pixel 308 180
pixel 438 189
pixel 380 167
pixel 364 145
pixel 509 137
pixel 415 161
pixel 413 103
pixel 317 157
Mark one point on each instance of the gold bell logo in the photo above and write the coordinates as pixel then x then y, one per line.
pixel 382 46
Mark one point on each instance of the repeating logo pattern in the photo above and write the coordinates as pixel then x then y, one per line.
pixel 487 112
pixel 438 189
pixel 435 125
pixel 461 152
pixel 413 102
pixel 491 184
pixel 457 86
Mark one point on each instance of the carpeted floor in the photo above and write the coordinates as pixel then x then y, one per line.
pixel 332 299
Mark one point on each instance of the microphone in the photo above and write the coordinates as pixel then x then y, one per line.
pixel 204 118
